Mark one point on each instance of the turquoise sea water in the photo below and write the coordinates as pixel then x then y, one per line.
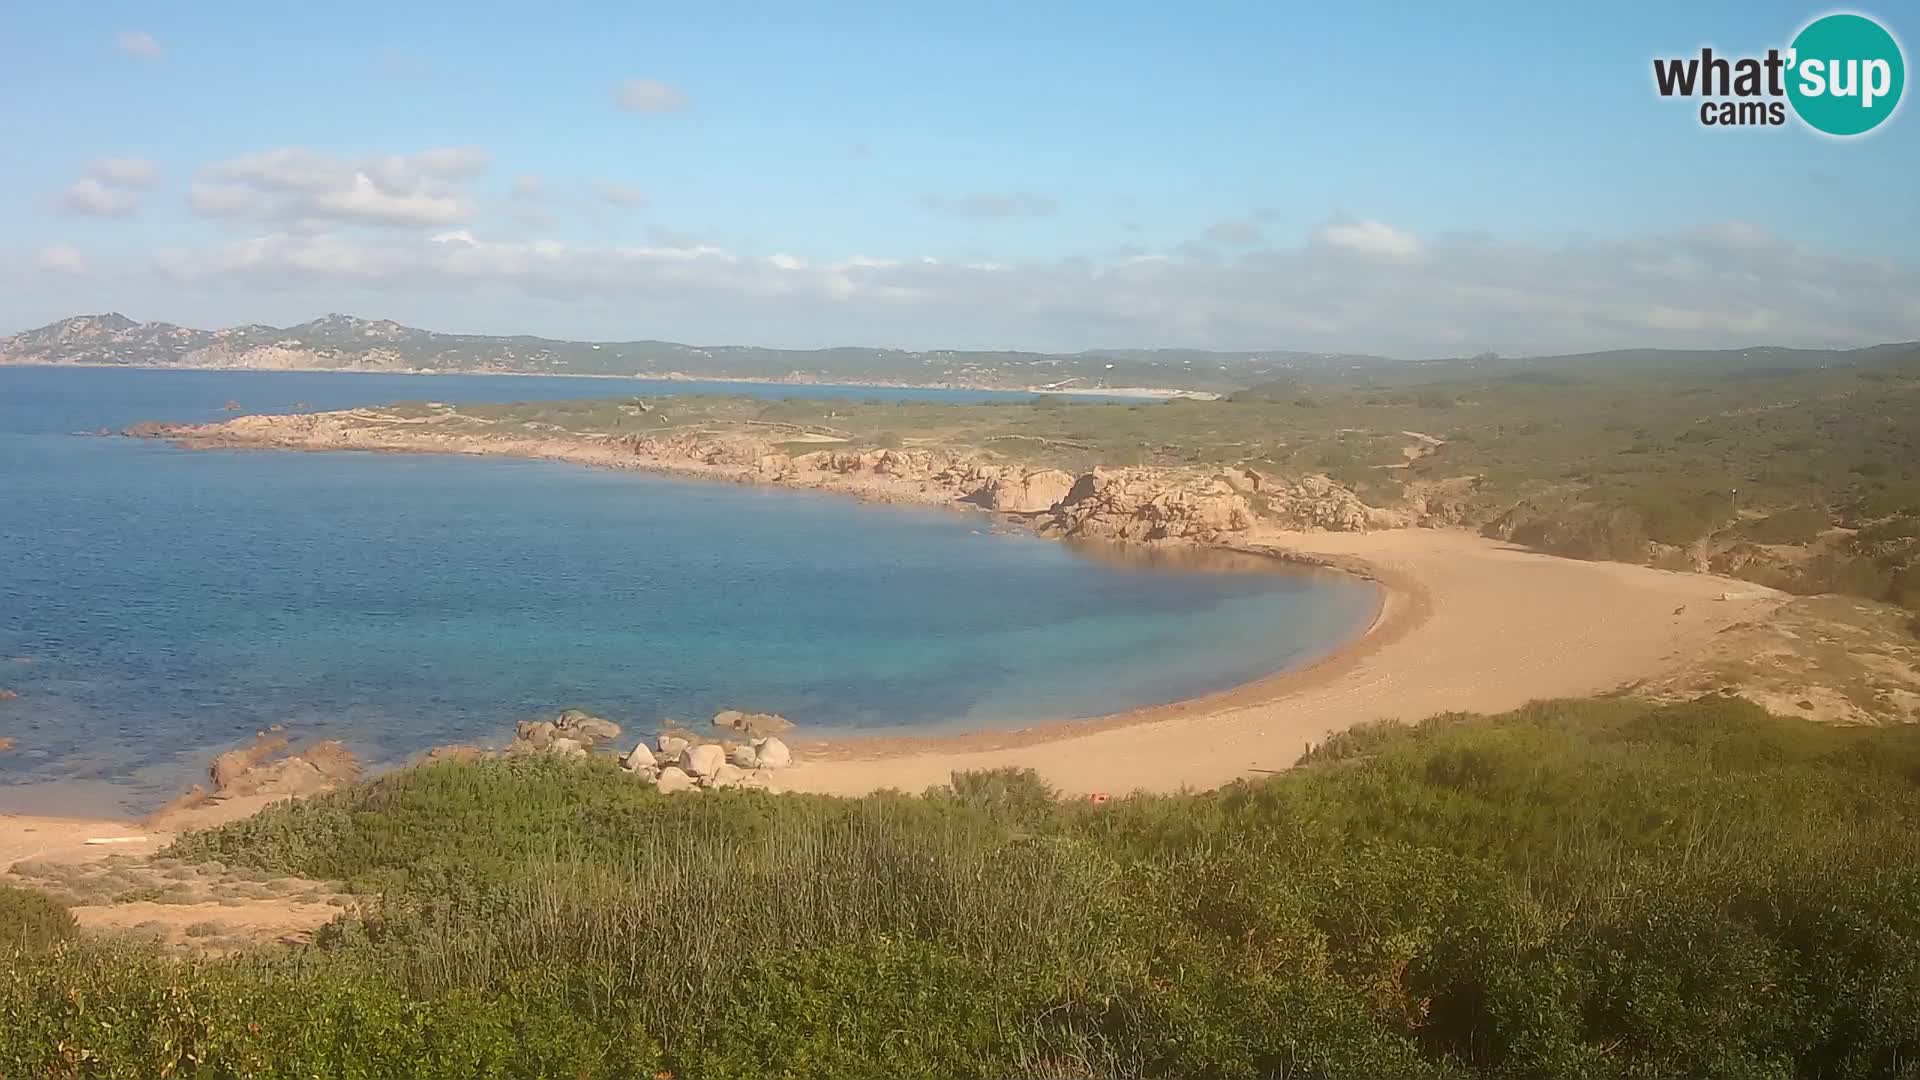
pixel 158 605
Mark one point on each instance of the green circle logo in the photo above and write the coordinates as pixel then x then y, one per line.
pixel 1846 74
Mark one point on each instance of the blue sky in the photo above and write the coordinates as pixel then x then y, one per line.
pixel 1411 179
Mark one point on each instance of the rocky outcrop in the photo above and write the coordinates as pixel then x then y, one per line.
pixel 1141 504
pixel 1036 492
pixel 571 734
pixel 1149 506
pixel 1312 502
pixel 681 766
pixel 266 768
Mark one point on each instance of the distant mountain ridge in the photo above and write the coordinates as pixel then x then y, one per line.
pixel 348 343
pixel 339 342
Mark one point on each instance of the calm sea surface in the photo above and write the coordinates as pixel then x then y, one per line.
pixel 158 605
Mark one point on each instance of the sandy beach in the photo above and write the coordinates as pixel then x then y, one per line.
pixel 1468 624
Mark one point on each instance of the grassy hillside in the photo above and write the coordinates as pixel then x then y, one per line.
pixel 1591 889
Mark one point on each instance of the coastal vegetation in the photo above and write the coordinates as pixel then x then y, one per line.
pixel 1594 888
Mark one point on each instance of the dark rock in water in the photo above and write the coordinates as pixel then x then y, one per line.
pixel 752 725
pixel 584 727
pixel 572 733
pixel 534 734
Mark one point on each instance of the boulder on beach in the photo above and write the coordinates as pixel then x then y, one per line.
pixel 672 779
pixel 671 746
pixel 562 746
pixel 703 760
pixel 744 757
pixel 640 758
pixel 753 725
pixel 8 695
pixel 772 753
pixel 726 776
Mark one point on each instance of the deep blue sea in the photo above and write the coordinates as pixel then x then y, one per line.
pixel 158 605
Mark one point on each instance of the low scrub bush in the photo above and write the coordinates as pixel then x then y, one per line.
pixel 1596 888
pixel 31 920
pixel 1802 525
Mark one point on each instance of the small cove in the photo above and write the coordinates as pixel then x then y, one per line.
pixel 157 604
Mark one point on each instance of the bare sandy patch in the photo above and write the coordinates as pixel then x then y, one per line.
pixel 209 928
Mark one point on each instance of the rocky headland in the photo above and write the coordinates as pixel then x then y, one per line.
pixel 1142 504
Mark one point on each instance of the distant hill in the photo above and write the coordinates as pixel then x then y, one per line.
pixel 347 343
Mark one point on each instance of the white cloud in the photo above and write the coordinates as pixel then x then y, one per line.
pixel 624 195
pixel 1460 295
pixel 95 199
pixel 648 96
pixel 366 201
pixel 985 205
pixel 529 186
pixel 61 259
pixel 308 188
pixel 138 43
pixel 128 172
pixel 1370 238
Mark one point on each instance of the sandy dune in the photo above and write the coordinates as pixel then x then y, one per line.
pixel 1470 624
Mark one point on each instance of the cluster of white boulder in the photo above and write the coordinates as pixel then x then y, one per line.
pixel 675 763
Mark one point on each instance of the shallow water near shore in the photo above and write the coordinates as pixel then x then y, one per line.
pixel 157 604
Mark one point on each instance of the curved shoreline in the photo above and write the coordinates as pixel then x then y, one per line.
pixel 1467 625
pixel 1400 606
pixel 1463 623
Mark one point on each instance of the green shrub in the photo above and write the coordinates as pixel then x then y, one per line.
pixel 31 920
pixel 1801 525
pixel 1595 888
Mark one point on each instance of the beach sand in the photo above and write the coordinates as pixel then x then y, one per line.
pixel 1468 624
